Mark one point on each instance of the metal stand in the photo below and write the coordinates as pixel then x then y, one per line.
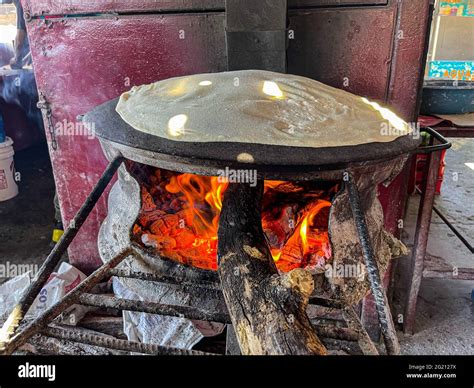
pixel 11 340
pixel 381 302
pixel 418 270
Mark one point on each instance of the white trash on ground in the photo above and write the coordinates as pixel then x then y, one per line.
pixel 163 330
pixel 59 284
pixel 147 328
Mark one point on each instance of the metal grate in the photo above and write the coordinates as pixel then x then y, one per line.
pixel 11 338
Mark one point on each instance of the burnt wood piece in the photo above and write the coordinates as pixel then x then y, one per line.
pixel 353 322
pixel 108 325
pixel 268 311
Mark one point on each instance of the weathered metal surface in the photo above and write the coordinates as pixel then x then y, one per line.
pixel 80 63
pixel 153 308
pixel 412 30
pixel 421 239
pixel 349 49
pixel 59 7
pixel 267 159
pixel 417 271
pixel 333 3
pixel 273 172
pixel 256 34
pixel 45 345
pixel 376 284
pixel 154 277
pixel 117 344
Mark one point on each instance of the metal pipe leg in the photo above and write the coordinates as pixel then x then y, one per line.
pixel 381 302
pixel 16 316
pixel 421 239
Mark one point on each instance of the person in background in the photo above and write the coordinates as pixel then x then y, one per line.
pixel 22 46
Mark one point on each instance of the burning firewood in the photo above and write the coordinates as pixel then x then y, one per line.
pixel 158 242
pixel 148 217
pixel 268 311
pixel 165 224
pixel 186 208
pixel 147 201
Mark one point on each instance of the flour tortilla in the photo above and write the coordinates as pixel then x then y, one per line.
pixel 255 106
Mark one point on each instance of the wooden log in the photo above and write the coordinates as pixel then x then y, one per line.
pixel 268 310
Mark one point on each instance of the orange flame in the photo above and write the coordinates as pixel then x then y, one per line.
pixel 197 200
pixel 307 222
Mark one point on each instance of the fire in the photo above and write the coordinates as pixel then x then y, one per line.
pixel 180 218
pixel 308 220
pixel 196 191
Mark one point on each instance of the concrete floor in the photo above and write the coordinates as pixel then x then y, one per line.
pixel 445 316
pixel 445 320
pixel 26 222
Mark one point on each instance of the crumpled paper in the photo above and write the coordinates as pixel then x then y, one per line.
pixel 162 330
pixel 59 284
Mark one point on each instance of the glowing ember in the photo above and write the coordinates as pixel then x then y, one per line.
pixel 180 217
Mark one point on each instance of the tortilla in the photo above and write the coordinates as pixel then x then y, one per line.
pixel 255 106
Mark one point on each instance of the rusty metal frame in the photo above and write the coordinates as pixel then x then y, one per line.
pixel 44 324
pixel 453 131
pixel 376 285
pixel 437 144
pixel 12 339
pixel 116 344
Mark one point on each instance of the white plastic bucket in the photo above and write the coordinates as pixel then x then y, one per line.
pixel 8 186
